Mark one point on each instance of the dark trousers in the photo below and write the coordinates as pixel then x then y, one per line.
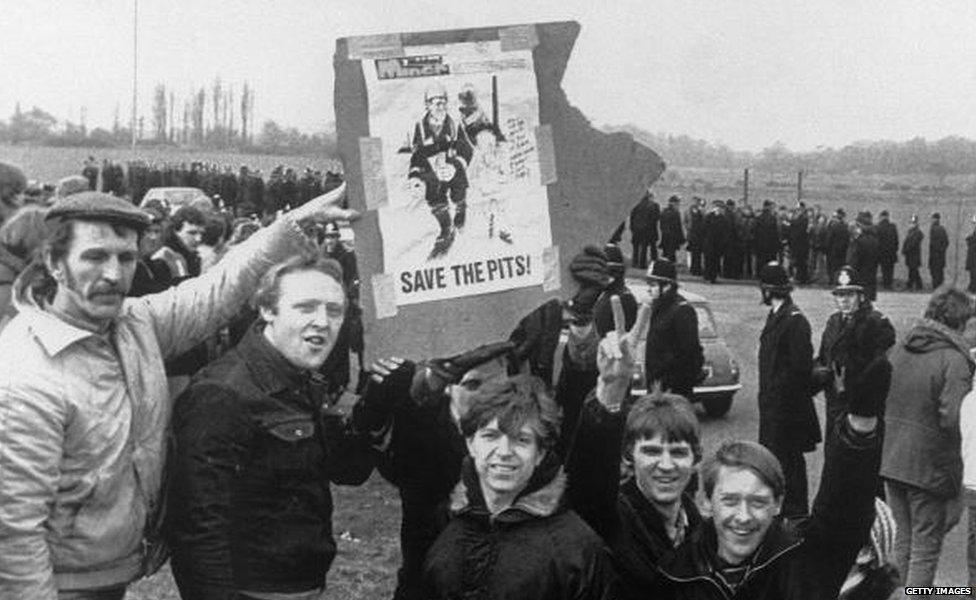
pixel 972 282
pixel 747 258
pixel 422 521
pixel 670 253
pixel 713 264
pixel 938 276
pixel 887 275
pixel 640 253
pixel 914 279
pixel 800 268
pixel 795 501
pixel 696 262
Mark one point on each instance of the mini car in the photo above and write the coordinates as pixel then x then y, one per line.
pixel 173 197
pixel 722 381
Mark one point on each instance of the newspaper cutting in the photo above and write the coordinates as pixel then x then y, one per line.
pixel 466 211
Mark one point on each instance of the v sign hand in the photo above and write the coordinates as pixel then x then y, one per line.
pixel 616 355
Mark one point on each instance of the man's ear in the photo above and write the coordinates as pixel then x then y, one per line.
pixel 267 315
pixel 52 268
pixel 777 506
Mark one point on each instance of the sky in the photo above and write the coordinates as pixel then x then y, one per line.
pixel 748 73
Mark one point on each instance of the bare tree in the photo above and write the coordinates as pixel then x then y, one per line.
pixel 172 117
pixel 245 99
pixel 216 104
pixel 158 113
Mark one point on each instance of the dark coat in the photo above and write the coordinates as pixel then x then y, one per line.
pixel 787 419
pixel 767 234
pixel 641 542
pixel 673 353
pixel 887 243
pixel 695 221
pixel 858 344
pixel 799 236
pixel 718 232
pixel 644 220
pixel 971 252
pixel 533 550
pixel 672 234
pixel 256 447
pixel 932 372
pixel 938 244
pixel 912 247
pixel 802 560
pixel 862 255
pixel 838 236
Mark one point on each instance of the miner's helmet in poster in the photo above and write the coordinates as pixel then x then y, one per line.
pixel 846 281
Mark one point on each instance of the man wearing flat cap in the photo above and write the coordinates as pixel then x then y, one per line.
pixel 862 254
pixel 912 250
pixel 85 405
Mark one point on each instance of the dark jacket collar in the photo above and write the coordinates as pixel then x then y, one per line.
pixel 650 516
pixel 697 558
pixel 272 372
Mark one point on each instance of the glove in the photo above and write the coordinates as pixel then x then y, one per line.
pixel 437 373
pixel 536 337
pixel 589 268
pixel 387 387
pixel 866 395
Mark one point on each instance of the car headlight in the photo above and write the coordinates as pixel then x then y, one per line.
pixel 734 369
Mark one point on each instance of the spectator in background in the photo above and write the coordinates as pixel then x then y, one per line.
pixel 938 244
pixel 644 219
pixel 152 275
pixel 887 249
pixel 672 234
pixel 921 460
pixel 911 249
pixel 862 254
pixel 187 226
pixel 971 258
pixel 767 242
pixel 695 225
pixel 13 182
pixel 838 237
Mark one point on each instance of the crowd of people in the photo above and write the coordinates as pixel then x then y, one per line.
pixel 182 392
pixel 732 240
pixel 243 191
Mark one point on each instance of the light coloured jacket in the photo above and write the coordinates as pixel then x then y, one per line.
pixel 83 420
pixel 967 427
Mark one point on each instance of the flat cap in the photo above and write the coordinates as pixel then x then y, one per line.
pixel 97 206
pixel 72 184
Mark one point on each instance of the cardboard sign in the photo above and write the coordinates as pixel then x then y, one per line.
pixel 431 121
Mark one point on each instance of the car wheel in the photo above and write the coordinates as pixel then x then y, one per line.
pixel 717 406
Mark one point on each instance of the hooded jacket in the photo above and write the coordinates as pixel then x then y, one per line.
pixel 84 424
pixel 932 372
pixel 533 550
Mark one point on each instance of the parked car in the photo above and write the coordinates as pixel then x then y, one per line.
pixel 173 197
pixel 715 393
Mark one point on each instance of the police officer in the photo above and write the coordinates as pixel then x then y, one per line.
pixel 862 254
pixel 938 244
pixel 838 236
pixel 673 353
pixel 887 248
pixel 672 234
pixel 853 346
pixel 911 249
pixel 788 424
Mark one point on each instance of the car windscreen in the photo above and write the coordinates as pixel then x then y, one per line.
pixel 706 324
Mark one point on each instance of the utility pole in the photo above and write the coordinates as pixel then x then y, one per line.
pixel 135 68
pixel 745 186
pixel 799 185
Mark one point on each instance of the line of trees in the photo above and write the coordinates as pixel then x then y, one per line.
pixel 952 155
pixel 217 118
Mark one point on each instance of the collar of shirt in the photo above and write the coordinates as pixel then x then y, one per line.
pixel 54 333
pixel 272 371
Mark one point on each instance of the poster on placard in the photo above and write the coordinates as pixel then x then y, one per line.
pixel 467 211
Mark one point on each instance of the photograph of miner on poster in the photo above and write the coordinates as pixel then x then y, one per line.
pixel 466 212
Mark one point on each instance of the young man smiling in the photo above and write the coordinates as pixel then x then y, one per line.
pixel 510 536
pixel 257 447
